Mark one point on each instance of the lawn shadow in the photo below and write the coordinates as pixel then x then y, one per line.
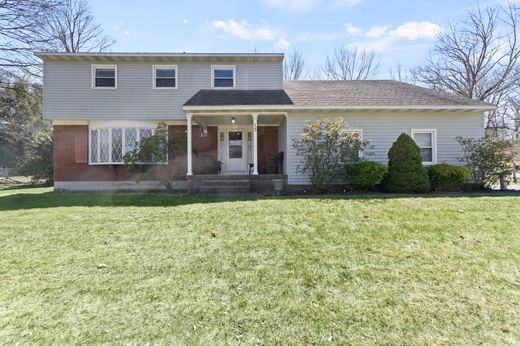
pixel 50 199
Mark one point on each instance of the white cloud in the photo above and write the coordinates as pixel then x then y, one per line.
pixel 282 44
pixel 377 31
pixel 243 30
pixel 185 20
pixel 127 33
pixel 352 30
pixel 415 30
pixel 300 7
pixel 349 30
pixel 380 38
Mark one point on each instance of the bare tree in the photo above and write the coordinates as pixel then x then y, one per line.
pixel 21 32
pixel 72 28
pixel 293 65
pixel 400 73
pixel 351 64
pixel 478 57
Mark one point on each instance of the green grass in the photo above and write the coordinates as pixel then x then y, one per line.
pixel 185 270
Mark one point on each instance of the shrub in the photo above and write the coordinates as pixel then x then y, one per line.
pixel 364 175
pixel 325 146
pixel 405 170
pixel 445 177
pixel 488 160
pixel 158 157
pixel 37 160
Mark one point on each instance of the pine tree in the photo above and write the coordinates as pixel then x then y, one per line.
pixel 405 170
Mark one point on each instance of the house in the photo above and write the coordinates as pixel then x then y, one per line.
pixel 238 115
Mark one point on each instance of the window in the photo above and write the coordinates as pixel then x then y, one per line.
pixel 358 134
pixel 165 76
pixel 235 144
pixel 427 141
pixel 104 76
pixel 223 77
pixel 109 145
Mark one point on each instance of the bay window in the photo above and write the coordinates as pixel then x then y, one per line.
pixel 427 141
pixel 108 145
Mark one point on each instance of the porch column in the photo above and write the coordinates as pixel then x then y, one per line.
pixel 255 144
pixel 189 140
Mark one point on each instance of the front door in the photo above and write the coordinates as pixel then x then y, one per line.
pixel 236 151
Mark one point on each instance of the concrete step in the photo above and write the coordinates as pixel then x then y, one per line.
pixel 217 183
pixel 224 189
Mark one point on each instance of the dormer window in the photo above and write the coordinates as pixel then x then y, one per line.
pixel 165 76
pixel 104 76
pixel 223 77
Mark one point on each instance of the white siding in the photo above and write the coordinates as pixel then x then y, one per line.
pixel 282 142
pixel 382 128
pixel 68 92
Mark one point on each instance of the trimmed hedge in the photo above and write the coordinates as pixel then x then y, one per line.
pixel 364 175
pixel 405 170
pixel 445 177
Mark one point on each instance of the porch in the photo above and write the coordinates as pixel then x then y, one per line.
pixel 235 144
pixel 249 127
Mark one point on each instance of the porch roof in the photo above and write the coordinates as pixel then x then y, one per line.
pixel 239 98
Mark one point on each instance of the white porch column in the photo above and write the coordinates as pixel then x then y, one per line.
pixel 189 140
pixel 255 144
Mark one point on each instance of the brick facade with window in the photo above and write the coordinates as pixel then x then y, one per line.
pixel 71 154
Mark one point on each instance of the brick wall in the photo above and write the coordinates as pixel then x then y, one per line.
pixel 71 157
pixel 71 154
pixel 267 145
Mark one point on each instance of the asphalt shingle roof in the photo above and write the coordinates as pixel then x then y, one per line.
pixel 352 93
pixel 367 93
pixel 239 98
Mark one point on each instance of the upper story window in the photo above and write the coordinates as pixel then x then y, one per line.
pixel 223 77
pixel 165 76
pixel 104 76
pixel 427 141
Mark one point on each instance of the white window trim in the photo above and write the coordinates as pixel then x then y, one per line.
pixel 360 131
pixel 93 76
pixel 110 128
pixel 433 132
pixel 223 67
pixel 166 67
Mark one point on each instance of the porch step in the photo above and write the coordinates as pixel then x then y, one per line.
pixel 224 189
pixel 226 183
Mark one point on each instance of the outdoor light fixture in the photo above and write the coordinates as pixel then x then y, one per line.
pixel 232 120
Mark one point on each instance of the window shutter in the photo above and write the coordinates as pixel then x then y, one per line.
pixel 81 147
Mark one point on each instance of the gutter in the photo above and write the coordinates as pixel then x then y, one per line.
pixel 293 107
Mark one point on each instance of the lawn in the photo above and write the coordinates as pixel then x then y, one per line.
pixel 160 269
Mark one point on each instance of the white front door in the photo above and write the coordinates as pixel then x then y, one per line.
pixel 236 145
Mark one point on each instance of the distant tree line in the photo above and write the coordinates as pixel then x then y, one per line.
pixel 27 26
pixel 476 57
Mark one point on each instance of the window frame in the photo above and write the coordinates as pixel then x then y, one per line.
pixel 93 75
pixel 123 144
pixel 433 133
pixel 360 131
pixel 223 67
pixel 165 67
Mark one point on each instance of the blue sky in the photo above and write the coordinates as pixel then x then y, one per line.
pixel 400 31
